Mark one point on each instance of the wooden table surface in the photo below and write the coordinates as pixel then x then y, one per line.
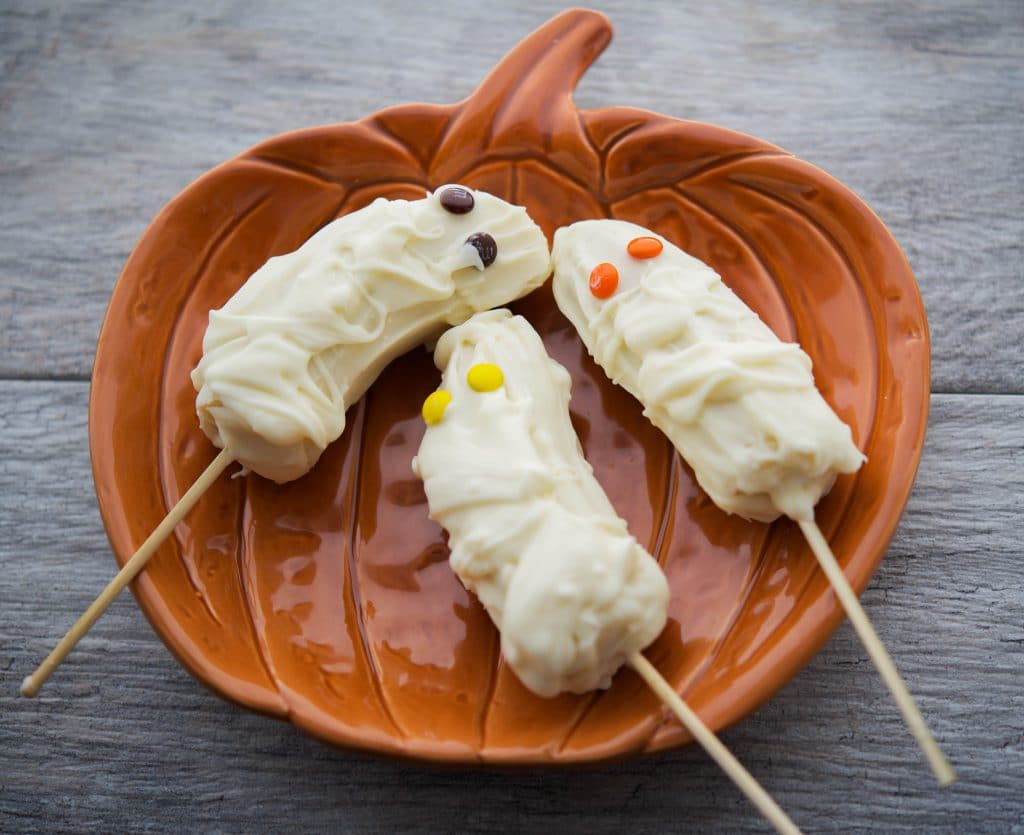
pixel 108 109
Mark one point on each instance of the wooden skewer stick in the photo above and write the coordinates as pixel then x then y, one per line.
pixel 944 772
pixel 30 686
pixel 713 746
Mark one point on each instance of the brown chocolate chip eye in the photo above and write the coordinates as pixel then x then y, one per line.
pixel 485 245
pixel 457 200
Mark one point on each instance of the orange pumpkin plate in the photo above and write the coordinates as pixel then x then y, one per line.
pixel 329 601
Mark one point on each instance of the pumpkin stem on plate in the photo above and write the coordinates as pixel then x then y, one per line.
pixel 525 103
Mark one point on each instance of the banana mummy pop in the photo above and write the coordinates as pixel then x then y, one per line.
pixel 308 332
pixel 739 404
pixel 531 532
pixel 533 535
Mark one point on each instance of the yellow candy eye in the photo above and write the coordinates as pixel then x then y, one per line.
pixel 435 405
pixel 485 377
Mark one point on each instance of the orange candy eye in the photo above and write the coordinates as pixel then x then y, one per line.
pixel 644 247
pixel 604 278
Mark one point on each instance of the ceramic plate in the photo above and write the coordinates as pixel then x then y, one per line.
pixel 329 601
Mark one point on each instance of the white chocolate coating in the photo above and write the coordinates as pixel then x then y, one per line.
pixel 531 532
pixel 309 332
pixel 739 404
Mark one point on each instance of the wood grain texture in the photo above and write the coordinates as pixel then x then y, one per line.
pixel 108 109
pixel 122 736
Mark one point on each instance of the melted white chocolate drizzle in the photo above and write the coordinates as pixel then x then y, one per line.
pixel 531 532
pixel 739 404
pixel 308 332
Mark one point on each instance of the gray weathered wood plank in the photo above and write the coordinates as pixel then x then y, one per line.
pixel 107 110
pixel 123 738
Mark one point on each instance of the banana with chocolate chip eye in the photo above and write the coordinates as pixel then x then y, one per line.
pixel 309 331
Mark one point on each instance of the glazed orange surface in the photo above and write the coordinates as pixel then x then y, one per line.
pixel 329 600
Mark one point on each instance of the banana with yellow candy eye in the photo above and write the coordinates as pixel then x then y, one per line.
pixel 532 534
